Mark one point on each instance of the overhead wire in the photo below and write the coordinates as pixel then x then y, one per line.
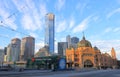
pixel 12 28
pixel 16 30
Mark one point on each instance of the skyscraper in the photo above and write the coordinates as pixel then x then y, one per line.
pixel 15 47
pixel 27 48
pixel 13 50
pixel 49 32
pixel 62 46
pixel 9 53
pixel 68 40
pixel 1 56
pixel 74 41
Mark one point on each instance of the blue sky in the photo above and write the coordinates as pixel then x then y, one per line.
pixel 99 19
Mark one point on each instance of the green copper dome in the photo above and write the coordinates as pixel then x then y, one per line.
pixel 96 48
pixel 84 43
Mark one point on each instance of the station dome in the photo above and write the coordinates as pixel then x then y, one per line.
pixel 84 43
pixel 96 48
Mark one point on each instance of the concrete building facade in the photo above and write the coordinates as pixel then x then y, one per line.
pixel 15 49
pixel 1 56
pixel 62 46
pixel 27 48
pixel 86 56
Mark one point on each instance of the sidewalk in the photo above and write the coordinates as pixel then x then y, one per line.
pixel 23 72
pixel 4 73
pixel 85 69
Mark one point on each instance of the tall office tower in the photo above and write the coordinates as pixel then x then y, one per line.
pixel 1 56
pixel 74 41
pixel 49 32
pixel 62 46
pixel 27 48
pixel 15 49
pixel 9 54
pixel 68 40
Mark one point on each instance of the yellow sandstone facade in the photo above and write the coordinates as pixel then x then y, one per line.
pixel 86 56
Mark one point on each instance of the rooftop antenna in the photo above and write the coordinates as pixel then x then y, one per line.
pixel 83 33
pixel 83 36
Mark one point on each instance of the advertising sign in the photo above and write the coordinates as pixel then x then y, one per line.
pixel 62 64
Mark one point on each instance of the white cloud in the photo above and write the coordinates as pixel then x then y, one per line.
pixel 33 35
pixel 35 15
pixel 116 29
pixel 108 30
pixel 71 23
pixel 43 9
pixel 30 20
pixel 38 46
pixel 78 6
pixel 106 45
pixel 81 6
pixel 41 44
pixel 27 23
pixel 95 18
pixel 61 26
pixel 83 25
pixel 16 36
pixel 118 55
pixel 1 47
pixel 62 39
pixel 3 35
pixel 20 5
pixel 59 4
pixel 7 18
pixel 113 12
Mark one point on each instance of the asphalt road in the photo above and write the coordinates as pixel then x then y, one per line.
pixel 104 73
pixel 97 73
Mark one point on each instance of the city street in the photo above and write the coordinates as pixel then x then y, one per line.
pixel 99 73
pixel 37 73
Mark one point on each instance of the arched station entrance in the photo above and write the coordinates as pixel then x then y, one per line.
pixel 88 64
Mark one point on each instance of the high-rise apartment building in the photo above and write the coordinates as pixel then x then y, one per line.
pixel 49 32
pixel 27 48
pixel 62 46
pixel 9 54
pixel 13 50
pixel 72 41
pixel 1 56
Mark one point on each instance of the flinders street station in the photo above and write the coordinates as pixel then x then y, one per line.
pixel 86 56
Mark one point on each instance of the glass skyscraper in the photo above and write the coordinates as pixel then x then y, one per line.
pixel 49 32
